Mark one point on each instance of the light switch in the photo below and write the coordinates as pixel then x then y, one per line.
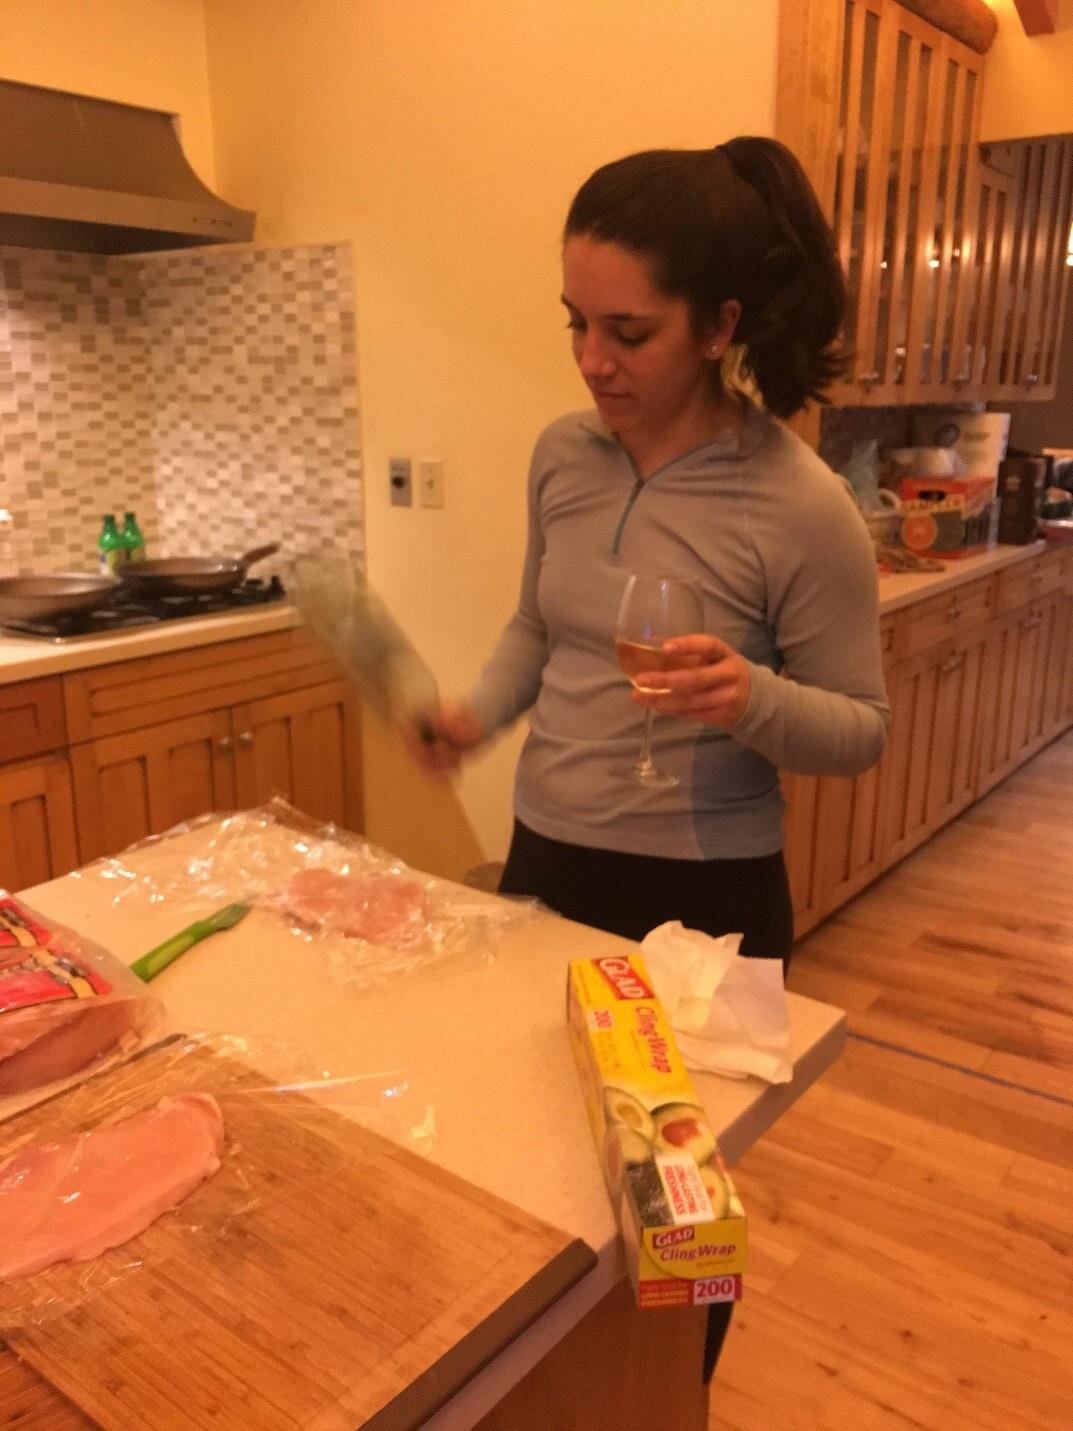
pixel 430 482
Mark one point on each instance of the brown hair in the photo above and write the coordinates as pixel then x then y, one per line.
pixel 738 221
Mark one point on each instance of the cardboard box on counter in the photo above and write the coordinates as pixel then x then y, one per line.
pixel 682 1222
pixel 948 516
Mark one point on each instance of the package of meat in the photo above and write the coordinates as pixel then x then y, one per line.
pixel 376 917
pixel 67 1007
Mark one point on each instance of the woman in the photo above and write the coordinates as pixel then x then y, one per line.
pixel 670 257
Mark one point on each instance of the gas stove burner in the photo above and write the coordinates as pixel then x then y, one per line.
pixel 128 612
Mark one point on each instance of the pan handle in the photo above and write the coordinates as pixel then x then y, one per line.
pixel 258 554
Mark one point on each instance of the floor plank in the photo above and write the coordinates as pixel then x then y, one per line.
pixel 912 1217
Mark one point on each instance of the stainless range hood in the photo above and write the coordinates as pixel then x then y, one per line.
pixel 99 177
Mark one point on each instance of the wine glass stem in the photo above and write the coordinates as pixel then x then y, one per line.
pixel 644 759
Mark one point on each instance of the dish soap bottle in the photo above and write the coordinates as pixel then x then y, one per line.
pixel 111 549
pixel 133 541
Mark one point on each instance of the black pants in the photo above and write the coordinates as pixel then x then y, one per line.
pixel 631 894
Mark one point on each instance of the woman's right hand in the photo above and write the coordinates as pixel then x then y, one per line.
pixel 454 730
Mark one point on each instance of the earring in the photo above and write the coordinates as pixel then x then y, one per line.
pixel 715 351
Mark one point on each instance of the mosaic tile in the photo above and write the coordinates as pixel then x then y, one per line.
pixel 213 391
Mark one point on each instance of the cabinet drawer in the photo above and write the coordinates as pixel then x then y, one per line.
pixel 31 718
pixel 949 615
pixel 129 695
pixel 1035 577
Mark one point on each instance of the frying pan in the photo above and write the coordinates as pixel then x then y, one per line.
pixel 167 575
pixel 59 593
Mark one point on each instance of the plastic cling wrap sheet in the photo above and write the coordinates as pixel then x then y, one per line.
pixel 67 1006
pixel 376 916
pixel 166 1159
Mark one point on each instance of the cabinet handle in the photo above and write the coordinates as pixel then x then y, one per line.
pixel 868 378
pixel 952 665
pixel 954 612
pixel 224 743
pixel 1031 380
pixel 962 379
pixel 246 738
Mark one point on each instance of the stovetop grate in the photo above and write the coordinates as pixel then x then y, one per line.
pixel 128 612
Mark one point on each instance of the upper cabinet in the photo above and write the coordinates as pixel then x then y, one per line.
pixel 955 256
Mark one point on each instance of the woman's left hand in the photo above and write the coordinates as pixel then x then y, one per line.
pixel 712 685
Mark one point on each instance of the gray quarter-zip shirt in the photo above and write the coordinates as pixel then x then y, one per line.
pixel 787 575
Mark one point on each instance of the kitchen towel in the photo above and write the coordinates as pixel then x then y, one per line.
pixel 728 1013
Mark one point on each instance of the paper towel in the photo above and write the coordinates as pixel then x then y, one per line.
pixel 728 1013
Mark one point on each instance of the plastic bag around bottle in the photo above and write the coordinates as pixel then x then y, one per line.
pixel 376 917
pixel 67 1007
pixel 113 1151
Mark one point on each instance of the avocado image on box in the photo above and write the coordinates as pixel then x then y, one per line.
pixel 622 1107
pixel 683 1128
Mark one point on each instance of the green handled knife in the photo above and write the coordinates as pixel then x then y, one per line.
pixel 150 965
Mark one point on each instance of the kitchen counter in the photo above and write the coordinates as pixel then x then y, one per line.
pixel 24 657
pixel 900 589
pixel 483 1044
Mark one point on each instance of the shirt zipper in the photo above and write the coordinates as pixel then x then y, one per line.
pixel 616 540
pixel 638 483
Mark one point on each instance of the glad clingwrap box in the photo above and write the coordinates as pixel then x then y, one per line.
pixel 682 1221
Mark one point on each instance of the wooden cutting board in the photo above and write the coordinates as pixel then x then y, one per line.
pixel 361 1285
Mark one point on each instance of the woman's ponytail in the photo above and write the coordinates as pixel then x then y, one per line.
pixel 791 322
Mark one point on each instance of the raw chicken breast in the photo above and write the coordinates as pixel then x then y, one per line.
pixel 381 908
pixel 70 1201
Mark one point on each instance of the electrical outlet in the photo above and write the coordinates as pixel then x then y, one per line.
pixel 430 482
pixel 400 480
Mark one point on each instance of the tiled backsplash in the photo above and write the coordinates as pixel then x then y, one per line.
pixel 213 391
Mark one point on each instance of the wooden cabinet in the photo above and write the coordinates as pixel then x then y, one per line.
pixel 936 702
pixel 301 746
pixel 954 257
pixel 37 822
pixel 144 781
pixel 979 678
pixel 1026 211
pixel 164 739
pixel 903 201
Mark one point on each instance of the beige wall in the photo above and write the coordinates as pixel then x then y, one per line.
pixel 445 138
pixel 148 52
pixel 1028 84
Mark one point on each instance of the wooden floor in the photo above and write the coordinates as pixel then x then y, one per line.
pixel 912 1216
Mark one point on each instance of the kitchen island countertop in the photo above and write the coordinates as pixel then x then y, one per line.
pixel 481 1041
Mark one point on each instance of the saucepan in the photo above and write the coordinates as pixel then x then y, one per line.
pixel 166 576
pixel 59 593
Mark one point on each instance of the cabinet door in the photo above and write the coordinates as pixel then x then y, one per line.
pixel 1014 693
pixel 304 747
pixel 1047 714
pixel 801 793
pixel 851 842
pixel 37 822
pixel 1031 276
pixel 938 709
pixel 144 781
pixel 904 202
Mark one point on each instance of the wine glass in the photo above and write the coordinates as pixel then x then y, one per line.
pixel 654 609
